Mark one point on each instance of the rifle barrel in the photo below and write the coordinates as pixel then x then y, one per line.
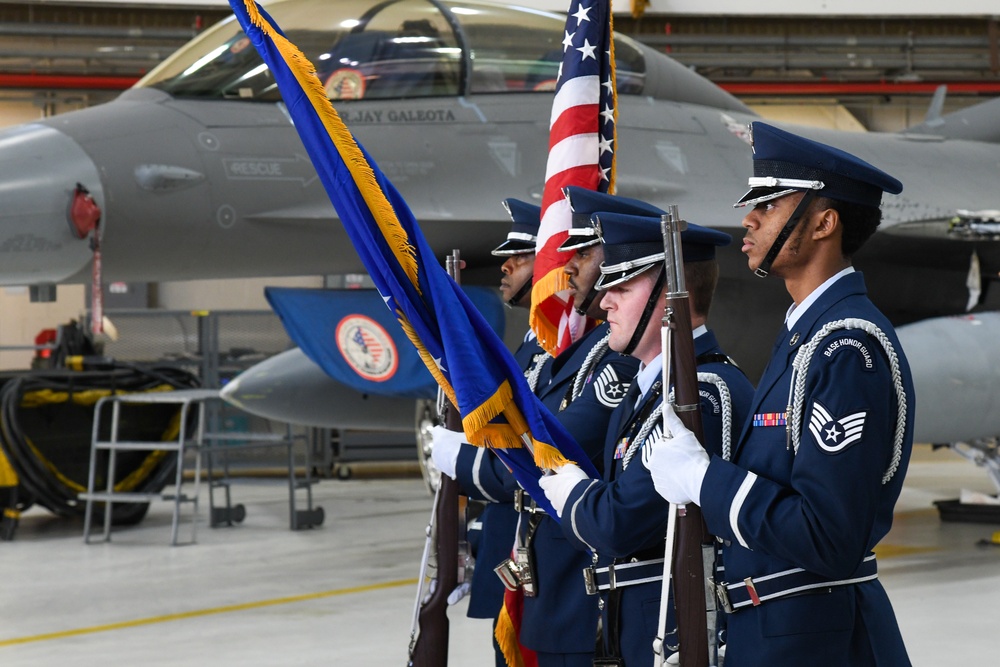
pixel 688 568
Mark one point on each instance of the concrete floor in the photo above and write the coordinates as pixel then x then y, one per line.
pixel 259 594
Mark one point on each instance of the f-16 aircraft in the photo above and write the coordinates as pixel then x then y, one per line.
pixel 197 173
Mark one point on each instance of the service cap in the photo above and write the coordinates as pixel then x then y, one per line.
pixel 584 203
pixel 784 162
pixel 525 219
pixel 634 243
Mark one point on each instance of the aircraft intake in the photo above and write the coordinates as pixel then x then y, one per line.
pixel 39 170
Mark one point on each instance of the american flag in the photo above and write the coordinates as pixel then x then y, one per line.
pixel 581 153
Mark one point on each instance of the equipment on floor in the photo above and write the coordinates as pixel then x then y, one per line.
pixel 46 428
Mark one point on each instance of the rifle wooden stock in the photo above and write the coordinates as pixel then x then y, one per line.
pixel 431 647
pixel 688 568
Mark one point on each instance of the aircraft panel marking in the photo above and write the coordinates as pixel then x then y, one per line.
pixel 28 243
pixel 374 116
pixel 505 153
pixel 297 168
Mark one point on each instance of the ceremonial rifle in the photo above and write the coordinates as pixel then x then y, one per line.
pixel 686 532
pixel 429 637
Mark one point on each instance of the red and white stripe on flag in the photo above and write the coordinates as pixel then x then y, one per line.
pixel 581 153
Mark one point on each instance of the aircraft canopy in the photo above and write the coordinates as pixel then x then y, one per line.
pixel 367 49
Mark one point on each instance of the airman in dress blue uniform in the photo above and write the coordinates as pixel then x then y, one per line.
pixel 622 519
pixel 480 474
pixel 811 485
pixel 582 387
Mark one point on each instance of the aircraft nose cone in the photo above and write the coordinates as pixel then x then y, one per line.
pixel 39 171
pixel 953 361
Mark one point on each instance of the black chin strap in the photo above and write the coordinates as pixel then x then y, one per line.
pixel 779 242
pixel 521 293
pixel 584 305
pixel 651 305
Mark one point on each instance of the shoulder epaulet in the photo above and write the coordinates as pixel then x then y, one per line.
pixel 800 368
pixel 593 358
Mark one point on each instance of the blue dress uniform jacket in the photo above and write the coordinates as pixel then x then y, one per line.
pixel 561 619
pixel 482 476
pixel 823 508
pixel 624 517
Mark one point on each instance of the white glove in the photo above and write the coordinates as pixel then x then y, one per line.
pixel 557 487
pixel 677 462
pixel 445 447
pixel 460 592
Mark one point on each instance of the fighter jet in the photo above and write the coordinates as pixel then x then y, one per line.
pixel 196 172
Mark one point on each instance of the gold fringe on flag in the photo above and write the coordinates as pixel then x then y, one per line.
pixel 506 637
pixel 426 357
pixel 547 456
pixel 380 207
pixel 479 418
pixel 478 429
pixel 547 332
pixel 499 436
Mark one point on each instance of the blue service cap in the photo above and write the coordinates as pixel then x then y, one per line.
pixel 523 233
pixel 784 162
pixel 584 203
pixel 634 243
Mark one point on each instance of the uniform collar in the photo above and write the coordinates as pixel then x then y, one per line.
pixel 797 310
pixel 648 374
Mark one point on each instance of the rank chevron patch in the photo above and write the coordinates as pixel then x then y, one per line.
pixel 835 435
pixel 610 389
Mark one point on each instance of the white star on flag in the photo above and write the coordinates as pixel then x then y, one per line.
pixel 587 50
pixel 581 153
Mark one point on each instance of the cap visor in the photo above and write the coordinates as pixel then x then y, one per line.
pixel 509 247
pixel 577 242
pixel 756 196
pixel 608 280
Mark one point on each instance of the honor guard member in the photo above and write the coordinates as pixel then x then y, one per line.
pixel 622 519
pixel 584 241
pixel 811 485
pixel 582 387
pixel 480 474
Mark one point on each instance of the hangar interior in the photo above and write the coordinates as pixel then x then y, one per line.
pixel 261 595
pixel 854 73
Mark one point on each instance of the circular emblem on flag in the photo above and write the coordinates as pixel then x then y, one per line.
pixel 345 84
pixel 367 348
